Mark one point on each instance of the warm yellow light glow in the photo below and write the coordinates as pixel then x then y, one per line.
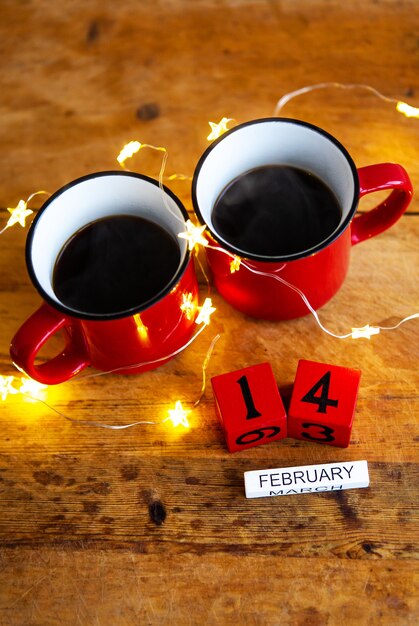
pixel 6 386
pixel 366 331
pixel 235 264
pixel 178 177
pixel 19 214
pixel 130 148
pixel 407 110
pixel 141 328
pixel 31 388
pixel 193 235
pixel 178 415
pixel 205 312
pixel 28 387
pixel 218 129
pixel 188 305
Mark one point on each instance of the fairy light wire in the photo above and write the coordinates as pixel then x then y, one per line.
pixel 178 406
pixel 131 148
pixel 142 363
pixel 402 107
pixel 355 333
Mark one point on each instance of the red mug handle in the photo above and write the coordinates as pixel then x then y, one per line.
pixel 377 178
pixel 35 332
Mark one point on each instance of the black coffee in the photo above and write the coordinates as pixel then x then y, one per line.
pixel 276 210
pixel 115 264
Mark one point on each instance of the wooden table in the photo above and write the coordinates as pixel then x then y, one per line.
pixel 150 525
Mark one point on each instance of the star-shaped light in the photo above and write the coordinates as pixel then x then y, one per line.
pixel 178 415
pixel 366 331
pixel 218 129
pixel 6 386
pixel 188 305
pixel 130 148
pixel 194 235
pixel 31 387
pixel 18 214
pixel 407 110
pixel 205 311
pixel 235 264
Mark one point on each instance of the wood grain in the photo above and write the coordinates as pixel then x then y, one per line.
pixel 150 525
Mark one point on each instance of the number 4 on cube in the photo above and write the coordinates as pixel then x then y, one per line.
pixel 249 407
pixel 323 403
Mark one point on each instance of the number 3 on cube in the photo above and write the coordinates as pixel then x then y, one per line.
pixel 323 403
pixel 249 407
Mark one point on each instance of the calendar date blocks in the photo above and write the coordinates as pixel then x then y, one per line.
pixel 250 407
pixel 323 403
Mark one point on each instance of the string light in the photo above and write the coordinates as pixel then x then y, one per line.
pixel 28 387
pixel 401 107
pixel 205 312
pixel 366 331
pixel 178 415
pixel 194 235
pixel 356 333
pixel 6 387
pixel 20 212
pixel 235 264
pixel 219 129
pixel 128 151
pixel 407 110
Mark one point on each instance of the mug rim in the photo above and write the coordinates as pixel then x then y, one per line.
pixel 277 258
pixel 82 315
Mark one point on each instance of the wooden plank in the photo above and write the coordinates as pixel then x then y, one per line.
pixel 75 81
pixel 75 586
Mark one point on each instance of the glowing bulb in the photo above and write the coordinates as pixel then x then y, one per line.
pixel 366 331
pixel 31 387
pixel 407 110
pixel 218 129
pixel 18 214
pixel 194 235
pixel 130 148
pixel 205 311
pixel 6 386
pixel 188 306
pixel 235 264
pixel 178 415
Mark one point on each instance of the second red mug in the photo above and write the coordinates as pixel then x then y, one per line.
pixel 317 271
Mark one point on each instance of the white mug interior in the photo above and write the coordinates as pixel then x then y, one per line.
pixel 87 200
pixel 274 141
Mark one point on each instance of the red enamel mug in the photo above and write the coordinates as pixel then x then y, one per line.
pixel 316 273
pixel 128 341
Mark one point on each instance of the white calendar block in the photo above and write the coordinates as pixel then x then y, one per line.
pixel 306 479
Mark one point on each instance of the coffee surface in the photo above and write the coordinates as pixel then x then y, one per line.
pixel 276 210
pixel 115 264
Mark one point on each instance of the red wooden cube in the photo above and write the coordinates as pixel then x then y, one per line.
pixel 250 407
pixel 323 403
